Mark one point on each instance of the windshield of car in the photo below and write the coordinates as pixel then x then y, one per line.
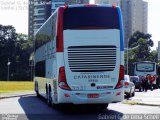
pixel 136 79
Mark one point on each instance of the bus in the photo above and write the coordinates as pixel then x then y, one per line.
pixel 79 56
pixel 145 68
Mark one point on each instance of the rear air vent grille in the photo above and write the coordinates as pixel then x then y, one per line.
pixel 92 58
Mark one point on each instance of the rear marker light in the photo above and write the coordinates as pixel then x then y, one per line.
pixel 66 6
pixel 114 6
pixel 118 93
pixel 66 95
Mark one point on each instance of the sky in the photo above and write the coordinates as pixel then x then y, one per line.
pixel 15 12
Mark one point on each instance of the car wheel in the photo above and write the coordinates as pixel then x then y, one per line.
pixel 129 94
pixel 133 94
pixel 140 89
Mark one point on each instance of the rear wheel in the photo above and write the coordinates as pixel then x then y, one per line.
pixel 49 97
pixel 129 94
pixel 103 106
pixel 133 94
pixel 36 89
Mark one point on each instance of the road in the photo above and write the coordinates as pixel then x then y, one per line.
pixel 31 107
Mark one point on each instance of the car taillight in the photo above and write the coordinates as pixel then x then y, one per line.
pixel 126 83
pixel 62 79
pixel 121 77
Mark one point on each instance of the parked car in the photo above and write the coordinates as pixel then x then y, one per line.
pixel 129 87
pixel 138 83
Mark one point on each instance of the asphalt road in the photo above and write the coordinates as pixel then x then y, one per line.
pixel 31 107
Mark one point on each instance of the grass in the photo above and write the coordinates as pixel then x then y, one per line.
pixel 17 86
pixel 132 102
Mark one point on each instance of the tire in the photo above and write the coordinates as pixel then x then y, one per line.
pixel 129 94
pixel 36 89
pixel 103 106
pixel 49 98
pixel 133 94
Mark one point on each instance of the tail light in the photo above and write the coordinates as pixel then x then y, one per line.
pixel 62 79
pixel 121 77
pixel 126 83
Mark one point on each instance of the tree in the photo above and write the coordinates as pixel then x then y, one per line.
pixel 137 35
pixel 153 56
pixel 16 47
pixel 143 51
pixel 7 48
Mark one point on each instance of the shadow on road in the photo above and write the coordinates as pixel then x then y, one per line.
pixel 37 109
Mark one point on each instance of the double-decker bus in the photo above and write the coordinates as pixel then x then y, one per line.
pixel 145 68
pixel 79 56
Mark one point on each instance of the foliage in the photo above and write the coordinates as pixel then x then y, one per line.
pixel 133 41
pixel 17 48
pixel 143 51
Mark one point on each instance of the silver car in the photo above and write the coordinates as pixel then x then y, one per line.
pixel 129 87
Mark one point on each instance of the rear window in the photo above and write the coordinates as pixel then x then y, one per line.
pixel 126 78
pixel 134 79
pixel 145 67
pixel 91 17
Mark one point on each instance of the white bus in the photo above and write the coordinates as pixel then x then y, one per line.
pixel 145 68
pixel 79 56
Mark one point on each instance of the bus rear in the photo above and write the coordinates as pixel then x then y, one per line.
pixel 90 54
pixel 145 68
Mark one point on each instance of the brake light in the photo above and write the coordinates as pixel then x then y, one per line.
pixel 126 83
pixel 59 42
pixel 62 79
pixel 121 77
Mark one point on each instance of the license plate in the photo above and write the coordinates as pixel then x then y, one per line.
pixel 93 95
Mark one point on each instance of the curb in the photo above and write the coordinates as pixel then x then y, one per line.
pixel 139 103
pixel 12 96
pixel 145 104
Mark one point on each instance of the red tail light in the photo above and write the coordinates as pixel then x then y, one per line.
pixel 121 77
pixel 62 79
pixel 126 83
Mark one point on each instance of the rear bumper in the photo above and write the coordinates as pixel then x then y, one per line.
pixel 80 97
